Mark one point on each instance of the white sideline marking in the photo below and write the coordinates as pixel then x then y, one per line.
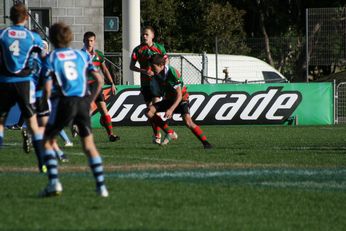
pixel 227 173
pixel 306 184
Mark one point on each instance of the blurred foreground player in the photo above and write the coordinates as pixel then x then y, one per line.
pixel 68 68
pixel 17 43
pixel 176 99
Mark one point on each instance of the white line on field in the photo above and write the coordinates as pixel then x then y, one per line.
pixel 228 173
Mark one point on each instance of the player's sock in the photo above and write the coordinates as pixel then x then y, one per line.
pixel 37 142
pixel 162 124
pixel 52 166
pixel 156 130
pixel 1 138
pixel 107 123
pixel 59 153
pixel 167 129
pixel 97 170
pixel 64 136
pixel 197 131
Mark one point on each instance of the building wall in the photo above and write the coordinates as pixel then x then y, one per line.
pixel 81 15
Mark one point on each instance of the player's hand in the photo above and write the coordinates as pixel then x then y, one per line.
pixel 113 89
pixel 168 114
pixel 150 73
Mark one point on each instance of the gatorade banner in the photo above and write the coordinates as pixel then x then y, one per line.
pixel 234 104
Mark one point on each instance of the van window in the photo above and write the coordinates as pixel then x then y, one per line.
pixel 272 77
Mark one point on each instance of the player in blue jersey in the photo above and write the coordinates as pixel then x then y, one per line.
pixel 16 45
pixel 68 69
pixel 43 104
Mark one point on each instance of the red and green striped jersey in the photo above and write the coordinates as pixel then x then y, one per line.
pixel 142 55
pixel 169 80
pixel 97 58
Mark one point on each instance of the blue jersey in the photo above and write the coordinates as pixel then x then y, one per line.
pixel 38 76
pixel 17 43
pixel 69 68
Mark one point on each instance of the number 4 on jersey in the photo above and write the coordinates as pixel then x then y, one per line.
pixel 14 48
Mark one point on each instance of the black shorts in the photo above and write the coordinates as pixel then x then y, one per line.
pixel 42 107
pixel 183 108
pixel 100 97
pixel 22 93
pixel 69 110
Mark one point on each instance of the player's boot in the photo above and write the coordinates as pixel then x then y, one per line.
pixel 113 138
pixel 43 169
pixel 169 137
pixel 51 190
pixel 68 144
pixel 102 191
pixel 63 158
pixel 157 138
pixel 207 145
pixel 74 131
pixel 26 141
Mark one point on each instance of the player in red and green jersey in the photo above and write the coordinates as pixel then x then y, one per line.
pixel 149 86
pixel 99 62
pixel 176 99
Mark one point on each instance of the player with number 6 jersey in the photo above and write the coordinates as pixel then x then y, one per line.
pixel 68 69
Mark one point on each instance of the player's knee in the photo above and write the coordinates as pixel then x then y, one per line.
pixel 150 111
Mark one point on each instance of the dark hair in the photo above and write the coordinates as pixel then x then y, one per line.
pixel 60 35
pixel 149 28
pixel 18 13
pixel 158 59
pixel 88 35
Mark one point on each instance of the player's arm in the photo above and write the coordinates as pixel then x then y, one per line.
pixel 178 98
pixel 107 74
pixel 98 81
pixel 133 67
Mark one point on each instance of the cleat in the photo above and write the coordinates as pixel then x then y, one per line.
pixel 102 192
pixel 26 141
pixel 51 190
pixel 74 131
pixel 14 127
pixel 174 136
pixel 113 138
pixel 207 145
pixel 43 169
pixel 68 144
pixel 63 158
pixel 157 139
pixel 169 137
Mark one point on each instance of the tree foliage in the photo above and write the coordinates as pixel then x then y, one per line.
pixel 268 29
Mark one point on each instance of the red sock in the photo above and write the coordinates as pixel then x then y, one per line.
pixel 199 133
pixel 107 123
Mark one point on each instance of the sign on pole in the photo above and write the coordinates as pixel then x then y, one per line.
pixel 111 24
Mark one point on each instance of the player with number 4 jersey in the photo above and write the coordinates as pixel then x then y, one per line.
pixel 16 45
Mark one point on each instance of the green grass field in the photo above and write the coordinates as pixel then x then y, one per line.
pixel 256 178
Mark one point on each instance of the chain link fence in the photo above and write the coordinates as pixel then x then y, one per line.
pixel 326 36
pixel 189 65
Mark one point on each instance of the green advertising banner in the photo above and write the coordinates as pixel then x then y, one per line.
pixel 282 103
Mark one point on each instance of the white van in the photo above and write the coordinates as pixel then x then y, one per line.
pixel 239 68
pixel 231 69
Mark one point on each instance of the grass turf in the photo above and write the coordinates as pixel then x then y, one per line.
pixel 256 178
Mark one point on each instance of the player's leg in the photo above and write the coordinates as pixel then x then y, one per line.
pixel 196 130
pixel 6 102
pixel 106 121
pixel 2 122
pixel 64 136
pixel 54 187
pixel 25 99
pixel 63 114
pixel 95 161
pixel 154 118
